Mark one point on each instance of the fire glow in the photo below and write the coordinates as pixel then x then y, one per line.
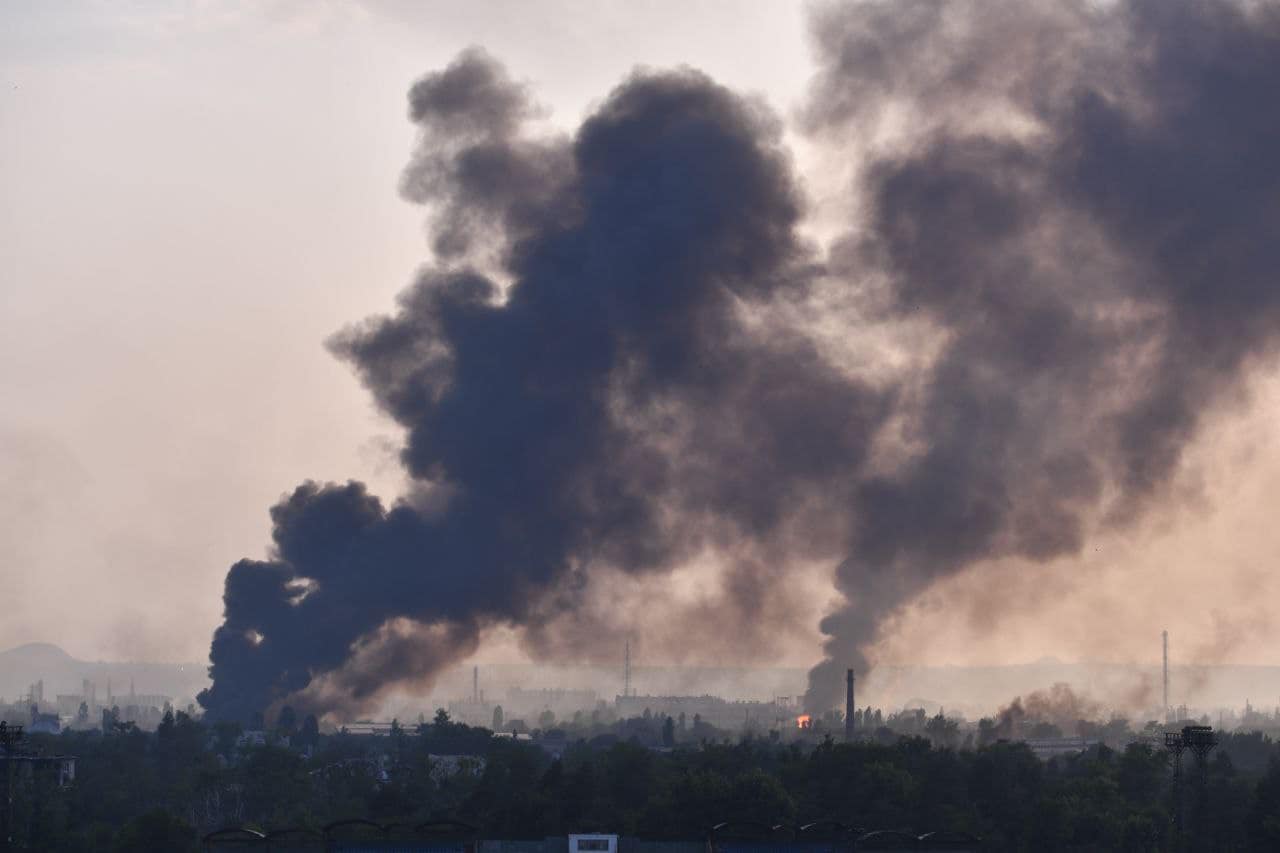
pixel 802 721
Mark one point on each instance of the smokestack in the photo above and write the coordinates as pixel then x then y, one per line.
pixel 848 705
pixel 1164 637
pixel 475 684
pixel 626 665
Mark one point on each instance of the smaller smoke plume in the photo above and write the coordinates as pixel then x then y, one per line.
pixel 1142 695
pixel 1059 706
pixel 1080 210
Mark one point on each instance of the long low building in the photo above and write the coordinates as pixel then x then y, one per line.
pixel 1052 747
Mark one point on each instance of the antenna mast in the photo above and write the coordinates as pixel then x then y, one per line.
pixel 1164 637
pixel 626 677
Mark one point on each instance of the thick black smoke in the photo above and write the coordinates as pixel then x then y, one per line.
pixel 616 404
pixel 1083 211
pixel 1072 239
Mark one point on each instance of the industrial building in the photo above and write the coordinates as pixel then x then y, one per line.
pixel 722 713
pixel 520 703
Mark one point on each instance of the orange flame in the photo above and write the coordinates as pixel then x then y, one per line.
pixel 802 721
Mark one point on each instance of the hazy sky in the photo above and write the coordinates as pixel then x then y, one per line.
pixel 196 195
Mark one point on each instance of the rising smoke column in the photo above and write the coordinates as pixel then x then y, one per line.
pixel 1082 207
pixel 589 376
pixel 1072 235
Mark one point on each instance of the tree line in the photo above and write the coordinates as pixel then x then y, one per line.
pixel 137 790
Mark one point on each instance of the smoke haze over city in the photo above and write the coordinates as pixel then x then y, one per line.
pixel 952 340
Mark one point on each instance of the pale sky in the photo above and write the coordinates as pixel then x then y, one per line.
pixel 196 195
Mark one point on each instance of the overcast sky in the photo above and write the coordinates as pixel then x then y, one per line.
pixel 196 195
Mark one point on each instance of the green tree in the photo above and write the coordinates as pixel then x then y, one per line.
pixel 942 732
pixel 1264 817
pixel 156 830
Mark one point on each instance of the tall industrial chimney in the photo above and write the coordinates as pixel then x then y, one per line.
pixel 1164 636
pixel 848 705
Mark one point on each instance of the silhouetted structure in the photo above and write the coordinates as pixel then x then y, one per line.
pixel 849 707
pixel 1164 638
pixel 12 752
pixel 626 665
pixel 1200 740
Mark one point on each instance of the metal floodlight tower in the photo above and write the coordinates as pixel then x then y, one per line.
pixel 1174 743
pixel 1200 740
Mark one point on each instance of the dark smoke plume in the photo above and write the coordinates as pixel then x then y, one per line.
pixel 608 369
pixel 616 404
pixel 1059 706
pixel 1083 213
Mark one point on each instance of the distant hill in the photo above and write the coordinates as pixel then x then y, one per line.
pixel 62 673
pixel 38 654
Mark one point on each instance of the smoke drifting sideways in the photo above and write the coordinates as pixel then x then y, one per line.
pixel 1081 210
pixel 614 393
pixel 1072 237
